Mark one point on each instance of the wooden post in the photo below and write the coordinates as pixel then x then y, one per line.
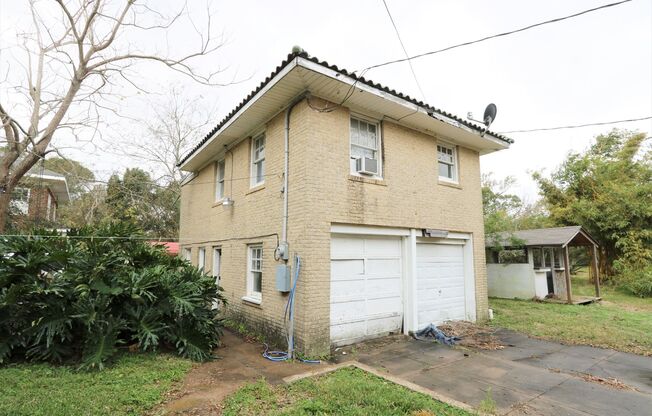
pixel 569 292
pixel 596 271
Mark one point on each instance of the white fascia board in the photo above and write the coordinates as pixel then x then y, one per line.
pixel 289 67
pixel 47 177
pixel 308 64
pixel 188 178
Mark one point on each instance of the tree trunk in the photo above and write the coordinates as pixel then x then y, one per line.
pixel 5 199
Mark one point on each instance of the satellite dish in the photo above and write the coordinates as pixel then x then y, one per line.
pixel 490 114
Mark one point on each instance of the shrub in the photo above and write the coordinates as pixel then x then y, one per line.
pixel 80 298
pixel 637 280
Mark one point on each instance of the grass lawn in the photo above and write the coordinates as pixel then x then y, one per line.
pixel 132 385
pixel 348 391
pixel 622 322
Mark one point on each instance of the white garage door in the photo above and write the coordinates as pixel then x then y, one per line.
pixel 440 283
pixel 365 287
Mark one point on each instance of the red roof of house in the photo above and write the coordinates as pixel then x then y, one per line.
pixel 171 247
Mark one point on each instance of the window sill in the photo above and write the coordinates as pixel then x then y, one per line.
pixel 370 180
pixel 256 188
pixel 449 183
pixel 251 300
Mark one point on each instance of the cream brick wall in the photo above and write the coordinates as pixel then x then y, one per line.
pixel 323 192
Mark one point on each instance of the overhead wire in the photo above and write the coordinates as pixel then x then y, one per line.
pixel 511 32
pixel 398 35
pixel 459 45
pixel 576 126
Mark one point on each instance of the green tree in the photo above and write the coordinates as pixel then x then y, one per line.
pixel 608 191
pixel 506 212
pixel 137 199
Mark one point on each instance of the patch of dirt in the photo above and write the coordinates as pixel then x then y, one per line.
pixel 522 408
pixel 207 385
pixel 472 335
pixel 605 381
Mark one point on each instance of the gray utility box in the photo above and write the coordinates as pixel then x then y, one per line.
pixel 283 279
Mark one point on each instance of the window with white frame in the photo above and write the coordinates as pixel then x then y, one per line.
pixel 365 142
pixel 258 160
pixel 201 258
pixel 447 159
pixel 219 180
pixel 186 253
pixel 255 273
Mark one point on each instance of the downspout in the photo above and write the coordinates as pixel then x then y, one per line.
pixel 283 245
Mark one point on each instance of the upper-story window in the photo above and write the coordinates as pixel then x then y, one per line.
pixel 447 159
pixel 258 160
pixel 365 148
pixel 219 180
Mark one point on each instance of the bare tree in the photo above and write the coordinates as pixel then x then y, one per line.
pixel 177 122
pixel 76 54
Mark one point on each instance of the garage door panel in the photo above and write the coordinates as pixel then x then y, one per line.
pixel 343 289
pixel 378 287
pixel 382 247
pixel 440 283
pixel 349 331
pixel 383 267
pixel 384 306
pixel 367 271
pixel 384 324
pixel 347 248
pixel 342 312
pixel 347 268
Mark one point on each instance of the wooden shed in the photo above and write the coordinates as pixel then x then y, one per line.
pixel 535 263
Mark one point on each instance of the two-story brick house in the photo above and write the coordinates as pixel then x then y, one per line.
pixel 382 203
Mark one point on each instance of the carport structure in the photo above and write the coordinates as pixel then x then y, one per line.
pixel 547 252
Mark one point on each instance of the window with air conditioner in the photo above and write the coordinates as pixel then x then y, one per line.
pixel 365 157
pixel 447 160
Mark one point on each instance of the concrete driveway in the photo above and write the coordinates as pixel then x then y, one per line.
pixel 527 377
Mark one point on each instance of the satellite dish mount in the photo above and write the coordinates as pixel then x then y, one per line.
pixel 488 117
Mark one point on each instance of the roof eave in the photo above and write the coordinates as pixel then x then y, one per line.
pixel 486 141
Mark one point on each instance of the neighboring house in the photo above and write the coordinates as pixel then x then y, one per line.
pixel 539 266
pixel 39 195
pixel 382 203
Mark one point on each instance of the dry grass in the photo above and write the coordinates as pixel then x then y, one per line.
pixel 472 335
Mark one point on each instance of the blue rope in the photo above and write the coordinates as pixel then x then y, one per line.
pixel 288 315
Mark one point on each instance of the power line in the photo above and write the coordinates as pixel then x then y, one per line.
pixel 602 123
pixel 398 35
pixel 511 32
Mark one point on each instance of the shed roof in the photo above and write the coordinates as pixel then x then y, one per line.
pixel 555 236
pixel 301 73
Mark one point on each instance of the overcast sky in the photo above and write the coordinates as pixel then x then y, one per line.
pixel 594 68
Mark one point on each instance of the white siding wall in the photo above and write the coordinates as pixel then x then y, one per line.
pixel 511 281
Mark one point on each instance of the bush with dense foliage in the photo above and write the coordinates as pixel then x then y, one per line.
pixel 82 297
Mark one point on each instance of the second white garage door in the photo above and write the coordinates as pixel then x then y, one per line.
pixel 366 287
pixel 440 283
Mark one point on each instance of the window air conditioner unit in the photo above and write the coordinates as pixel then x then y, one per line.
pixel 366 166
